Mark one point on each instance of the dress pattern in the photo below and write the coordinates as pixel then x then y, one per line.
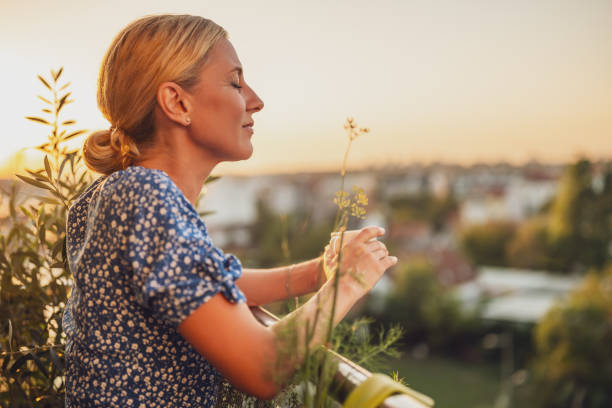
pixel 142 261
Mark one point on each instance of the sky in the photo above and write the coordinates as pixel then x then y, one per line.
pixel 455 81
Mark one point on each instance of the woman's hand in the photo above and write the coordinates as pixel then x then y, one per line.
pixel 364 259
pixel 330 255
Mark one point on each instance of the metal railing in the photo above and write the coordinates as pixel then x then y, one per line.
pixel 349 374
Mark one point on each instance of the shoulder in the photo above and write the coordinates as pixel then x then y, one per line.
pixel 85 197
pixel 144 190
pixel 137 186
pixel 137 180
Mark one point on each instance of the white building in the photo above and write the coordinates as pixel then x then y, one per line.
pixel 515 295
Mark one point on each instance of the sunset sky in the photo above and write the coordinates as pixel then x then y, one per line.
pixel 458 81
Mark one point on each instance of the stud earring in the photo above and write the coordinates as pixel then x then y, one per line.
pixel 188 120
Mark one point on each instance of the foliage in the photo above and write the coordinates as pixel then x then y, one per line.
pixel 573 365
pixel 572 234
pixel 426 311
pixel 422 207
pixel 356 341
pixel 294 233
pixel 580 226
pixel 34 272
pixel 485 244
pixel 529 248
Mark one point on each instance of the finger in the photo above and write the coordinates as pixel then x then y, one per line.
pixel 380 253
pixel 388 261
pixel 368 233
pixel 374 245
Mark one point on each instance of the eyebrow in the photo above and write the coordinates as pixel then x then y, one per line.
pixel 237 69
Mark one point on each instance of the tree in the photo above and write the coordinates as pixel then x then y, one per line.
pixel 573 364
pixel 422 207
pixel 425 310
pixel 580 223
pixel 486 244
pixel 297 238
pixel 529 247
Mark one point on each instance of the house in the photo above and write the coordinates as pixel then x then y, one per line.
pixel 514 295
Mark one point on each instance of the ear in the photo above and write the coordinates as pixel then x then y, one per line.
pixel 174 103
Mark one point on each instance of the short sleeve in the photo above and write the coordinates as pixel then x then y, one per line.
pixel 175 267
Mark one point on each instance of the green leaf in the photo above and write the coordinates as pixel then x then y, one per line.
pixel 61 169
pixel 34 182
pixel 73 134
pixel 36 119
pixel 58 74
pixel 41 234
pixel 45 100
pixel 57 194
pixel 26 212
pixel 62 101
pixel 48 200
pixel 44 147
pixel 45 83
pixel 38 175
pixel 48 167
pixel 20 362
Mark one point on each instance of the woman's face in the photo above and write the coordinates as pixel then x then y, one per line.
pixel 223 106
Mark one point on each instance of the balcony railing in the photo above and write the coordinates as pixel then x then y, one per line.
pixel 350 375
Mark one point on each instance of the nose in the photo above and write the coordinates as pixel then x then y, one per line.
pixel 254 102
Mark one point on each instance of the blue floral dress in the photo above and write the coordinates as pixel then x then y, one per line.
pixel 142 262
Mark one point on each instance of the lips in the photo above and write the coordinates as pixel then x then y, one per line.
pixel 250 124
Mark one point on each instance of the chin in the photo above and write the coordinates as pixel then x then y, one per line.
pixel 244 154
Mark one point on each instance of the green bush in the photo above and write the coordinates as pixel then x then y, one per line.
pixel 486 244
pixel 422 207
pixel 34 275
pixel 573 364
pixel 580 222
pixel 529 248
pixel 298 238
pixel 426 311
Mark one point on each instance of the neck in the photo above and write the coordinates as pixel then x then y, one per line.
pixel 183 164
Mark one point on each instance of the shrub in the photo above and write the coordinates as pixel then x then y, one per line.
pixel 35 278
pixel 573 365
pixel 486 244
pixel 529 247
pixel 425 310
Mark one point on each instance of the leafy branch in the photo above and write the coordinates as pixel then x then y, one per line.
pixel 34 273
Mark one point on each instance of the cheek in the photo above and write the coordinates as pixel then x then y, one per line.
pixel 228 108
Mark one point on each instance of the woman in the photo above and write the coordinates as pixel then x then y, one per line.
pixel 157 312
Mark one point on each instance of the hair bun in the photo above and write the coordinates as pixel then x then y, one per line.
pixel 100 154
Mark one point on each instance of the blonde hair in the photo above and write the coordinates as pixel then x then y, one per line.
pixel 148 52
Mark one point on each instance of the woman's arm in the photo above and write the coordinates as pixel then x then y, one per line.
pixel 258 359
pixel 263 286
